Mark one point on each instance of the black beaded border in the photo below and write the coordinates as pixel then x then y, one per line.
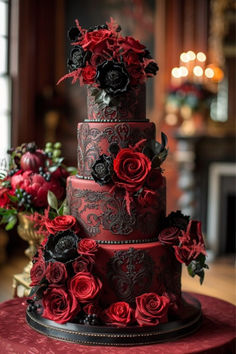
pixel 126 242
pixel 114 121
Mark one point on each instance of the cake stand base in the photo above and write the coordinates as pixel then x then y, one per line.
pixel 189 322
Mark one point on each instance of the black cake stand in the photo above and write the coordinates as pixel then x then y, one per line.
pixel 189 322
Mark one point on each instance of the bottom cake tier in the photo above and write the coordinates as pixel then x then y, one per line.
pixel 188 322
pixel 129 270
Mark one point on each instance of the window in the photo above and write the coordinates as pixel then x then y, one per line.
pixel 5 103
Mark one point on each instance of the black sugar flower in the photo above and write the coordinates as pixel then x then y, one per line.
pixel 77 58
pixel 102 170
pixel 151 68
pixel 74 33
pixel 61 247
pixel 112 77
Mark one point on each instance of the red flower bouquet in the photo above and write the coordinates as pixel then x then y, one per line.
pixel 31 175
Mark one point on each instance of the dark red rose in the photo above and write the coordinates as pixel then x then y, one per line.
pixel 191 243
pixel 59 305
pixel 60 172
pixel 148 198
pixel 92 308
pixel 119 314
pixel 131 168
pixel 85 286
pixel 136 73
pixel 129 43
pixel 170 236
pixel 155 180
pixel 88 74
pixel 83 264
pixel 87 246
pixel 56 273
pixel 131 58
pixel 37 272
pixel 151 309
pixel 60 223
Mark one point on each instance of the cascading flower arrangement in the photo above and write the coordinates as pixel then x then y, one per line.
pixel 103 58
pixel 24 186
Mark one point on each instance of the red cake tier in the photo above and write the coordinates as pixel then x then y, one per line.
pixel 103 214
pixel 127 271
pixel 130 106
pixel 94 139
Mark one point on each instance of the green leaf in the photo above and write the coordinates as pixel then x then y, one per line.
pixel 52 200
pixel 60 211
pixel 72 170
pixel 34 289
pixel 13 198
pixel 11 223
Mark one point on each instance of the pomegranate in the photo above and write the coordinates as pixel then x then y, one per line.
pixel 32 159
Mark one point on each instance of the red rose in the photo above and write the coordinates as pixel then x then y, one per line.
pixel 83 264
pixel 88 74
pixel 56 273
pixel 119 314
pixel 4 197
pixel 60 223
pixel 131 168
pixel 85 286
pixel 91 308
pixel 87 246
pixel 95 38
pixel 60 172
pixel 170 236
pixel 129 43
pixel 148 198
pixel 191 243
pixel 155 180
pixel 59 306
pixel 151 309
pixel 37 272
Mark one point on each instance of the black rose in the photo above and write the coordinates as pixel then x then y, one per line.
pixel 145 54
pixel 74 33
pixel 97 27
pixel 77 58
pixel 151 68
pixel 112 77
pixel 102 170
pixel 177 219
pixel 61 247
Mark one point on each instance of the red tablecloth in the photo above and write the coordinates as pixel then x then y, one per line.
pixel 217 334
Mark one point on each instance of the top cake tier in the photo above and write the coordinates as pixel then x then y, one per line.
pixel 130 106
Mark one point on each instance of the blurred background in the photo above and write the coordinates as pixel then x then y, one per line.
pixel 192 100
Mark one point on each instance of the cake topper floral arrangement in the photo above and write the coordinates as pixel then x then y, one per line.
pixel 103 58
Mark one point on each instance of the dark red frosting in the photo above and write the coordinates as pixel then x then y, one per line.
pixel 103 214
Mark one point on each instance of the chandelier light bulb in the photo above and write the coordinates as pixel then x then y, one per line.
pixel 191 55
pixel 197 70
pixel 176 73
pixel 201 57
pixel 209 73
pixel 183 71
pixel 184 57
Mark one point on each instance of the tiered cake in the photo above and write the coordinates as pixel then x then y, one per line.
pixel 114 275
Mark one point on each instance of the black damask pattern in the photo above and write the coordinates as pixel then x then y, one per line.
pixel 130 273
pixel 107 212
pixel 89 138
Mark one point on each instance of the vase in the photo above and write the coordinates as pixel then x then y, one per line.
pixel 27 232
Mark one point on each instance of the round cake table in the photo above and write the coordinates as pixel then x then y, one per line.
pixel 216 335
